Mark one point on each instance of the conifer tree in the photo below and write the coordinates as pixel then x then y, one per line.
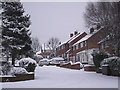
pixel 15 30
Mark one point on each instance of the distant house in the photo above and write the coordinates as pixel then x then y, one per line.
pixel 44 52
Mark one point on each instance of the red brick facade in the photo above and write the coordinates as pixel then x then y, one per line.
pixel 62 49
pixel 80 46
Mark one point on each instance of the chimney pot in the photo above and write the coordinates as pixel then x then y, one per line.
pixel 91 30
pixel 71 35
pixel 75 32
pixel 98 27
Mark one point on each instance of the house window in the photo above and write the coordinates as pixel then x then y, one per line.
pixel 62 55
pixel 62 46
pixel 81 44
pixel 102 46
pixel 85 43
pixel 77 58
pixel 77 46
pixel 73 59
pixel 73 47
pixel 106 45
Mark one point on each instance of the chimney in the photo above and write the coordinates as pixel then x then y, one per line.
pixel 75 32
pixel 91 30
pixel 71 35
pixel 98 27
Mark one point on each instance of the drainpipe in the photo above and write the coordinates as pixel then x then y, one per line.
pixel 87 50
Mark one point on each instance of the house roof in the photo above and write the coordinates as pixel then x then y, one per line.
pixel 71 39
pixel 103 40
pixel 86 37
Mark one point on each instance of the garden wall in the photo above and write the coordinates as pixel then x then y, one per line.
pixel 75 66
pixel 18 77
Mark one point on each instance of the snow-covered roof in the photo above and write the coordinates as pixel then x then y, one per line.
pixel 44 59
pixel 74 37
pixel 86 37
pixel 71 39
pixel 103 40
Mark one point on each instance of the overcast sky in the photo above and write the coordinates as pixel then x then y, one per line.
pixel 52 19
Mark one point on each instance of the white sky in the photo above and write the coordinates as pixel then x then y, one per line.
pixel 50 19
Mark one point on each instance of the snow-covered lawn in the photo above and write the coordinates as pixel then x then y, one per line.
pixel 56 77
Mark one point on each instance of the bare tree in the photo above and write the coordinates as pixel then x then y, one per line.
pixel 106 14
pixel 52 44
pixel 35 44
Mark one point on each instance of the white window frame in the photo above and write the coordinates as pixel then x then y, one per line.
pixel 73 48
pixel 62 46
pixel 77 57
pixel 77 46
pixel 81 44
pixel 73 59
pixel 85 43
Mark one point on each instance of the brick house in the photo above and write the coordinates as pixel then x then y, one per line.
pixel 103 45
pixel 65 49
pixel 83 49
pixel 80 46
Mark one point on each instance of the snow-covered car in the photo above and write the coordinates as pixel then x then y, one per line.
pixel 44 61
pixel 57 60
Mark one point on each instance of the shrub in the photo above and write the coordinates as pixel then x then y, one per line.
pixel 113 63
pixel 28 63
pixel 98 57
pixel 18 70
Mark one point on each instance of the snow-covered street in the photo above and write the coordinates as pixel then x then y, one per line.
pixel 56 77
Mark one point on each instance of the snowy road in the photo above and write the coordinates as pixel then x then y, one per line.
pixel 55 77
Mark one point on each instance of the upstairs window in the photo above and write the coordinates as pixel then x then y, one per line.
pixel 106 45
pixel 77 46
pixel 62 46
pixel 85 43
pixel 81 44
pixel 73 48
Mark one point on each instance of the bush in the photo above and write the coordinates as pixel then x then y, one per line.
pixel 113 63
pixel 28 63
pixel 18 70
pixel 98 57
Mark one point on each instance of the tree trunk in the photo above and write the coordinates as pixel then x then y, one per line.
pixel 13 60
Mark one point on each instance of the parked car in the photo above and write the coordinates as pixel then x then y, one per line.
pixel 57 60
pixel 44 61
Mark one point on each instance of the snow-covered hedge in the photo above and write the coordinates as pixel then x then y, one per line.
pixel 18 70
pixel 28 63
pixel 112 62
pixel 108 60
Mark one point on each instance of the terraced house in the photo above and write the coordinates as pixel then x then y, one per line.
pixel 65 49
pixel 80 46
